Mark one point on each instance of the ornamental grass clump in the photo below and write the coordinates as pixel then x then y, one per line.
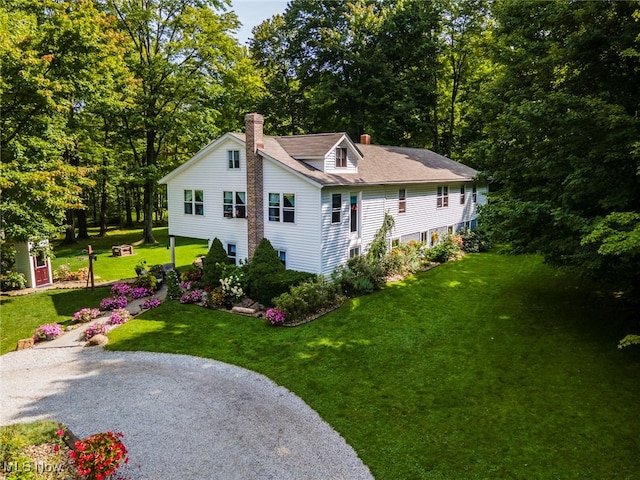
pixel 113 303
pixel 47 332
pixel 86 315
pixel 120 290
pixel 119 316
pixel 96 329
pixel 150 303
pixel 100 455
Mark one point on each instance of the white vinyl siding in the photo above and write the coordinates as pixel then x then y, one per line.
pixel 416 223
pixel 300 239
pixel 333 165
pixel 212 176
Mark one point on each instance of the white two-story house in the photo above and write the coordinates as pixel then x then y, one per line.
pixel 318 198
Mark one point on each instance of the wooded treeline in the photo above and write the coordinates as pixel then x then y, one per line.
pixel 101 98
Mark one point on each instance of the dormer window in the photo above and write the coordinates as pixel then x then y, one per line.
pixel 341 157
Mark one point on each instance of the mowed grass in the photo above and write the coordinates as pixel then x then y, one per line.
pixel 489 367
pixel 110 268
pixel 21 315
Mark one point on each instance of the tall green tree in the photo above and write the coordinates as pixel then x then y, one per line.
pixel 356 66
pixel 562 132
pixel 180 51
pixel 56 58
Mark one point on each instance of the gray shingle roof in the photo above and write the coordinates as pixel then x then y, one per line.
pixel 379 165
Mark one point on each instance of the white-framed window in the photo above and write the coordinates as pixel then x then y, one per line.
pixel 402 200
pixel 194 202
pixel 336 207
pixel 288 207
pixel 233 158
pixel 474 194
pixel 443 197
pixel 341 157
pixel 282 207
pixel 354 251
pixel 462 194
pixel 353 212
pixel 274 207
pixel 282 255
pixel 424 237
pixel 232 252
pixel 234 204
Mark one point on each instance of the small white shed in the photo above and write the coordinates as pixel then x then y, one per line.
pixel 33 263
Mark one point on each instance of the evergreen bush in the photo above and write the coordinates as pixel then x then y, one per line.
pixel 265 262
pixel 275 284
pixel 474 241
pixel 213 263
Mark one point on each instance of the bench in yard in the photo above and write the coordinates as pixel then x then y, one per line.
pixel 121 250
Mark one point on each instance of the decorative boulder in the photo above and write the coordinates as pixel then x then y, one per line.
pixel 98 340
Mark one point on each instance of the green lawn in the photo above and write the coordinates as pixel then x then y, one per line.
pixel 110 268
pixel 20 316
pixel 489 367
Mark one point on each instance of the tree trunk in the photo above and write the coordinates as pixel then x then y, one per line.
pixel 83 233
pixel 137 204
pixel 127 207
pixel 70 231
pixel 149 190
pixel 119 207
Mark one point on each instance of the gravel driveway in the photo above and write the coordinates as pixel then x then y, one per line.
pixel 182 417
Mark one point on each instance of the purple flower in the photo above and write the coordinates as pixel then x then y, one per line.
pixel 86 315
pixel 113 303
pixel 119 316
pixel 194 296
pixel 141 292
pixel 185 285
pixel 95 329
pixel 275 316
pixel 47 332
pixel 120 290
pixel 152 302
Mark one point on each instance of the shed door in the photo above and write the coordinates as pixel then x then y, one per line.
pixel 41 269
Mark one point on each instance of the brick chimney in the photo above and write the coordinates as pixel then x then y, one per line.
pixel 253 124
pixel 365 139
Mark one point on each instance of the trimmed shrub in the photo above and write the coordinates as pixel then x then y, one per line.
pixel 213 263
pixel 361 275
pixel 277 283
pixel 405 259
pixel 475 241
pixel 443 251
pixel 265 262
pixel 307 298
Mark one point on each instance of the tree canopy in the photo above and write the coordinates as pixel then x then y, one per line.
pixel 561 136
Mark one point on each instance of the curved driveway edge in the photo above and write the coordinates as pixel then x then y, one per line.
pixel 182 416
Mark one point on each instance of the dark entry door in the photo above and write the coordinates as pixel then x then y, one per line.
pixel 41 268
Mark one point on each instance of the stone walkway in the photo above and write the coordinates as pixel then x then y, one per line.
pixel 75 337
